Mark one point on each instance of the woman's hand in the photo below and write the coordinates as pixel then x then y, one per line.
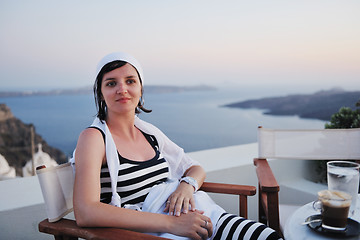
pixel 181 199
pixel 193 225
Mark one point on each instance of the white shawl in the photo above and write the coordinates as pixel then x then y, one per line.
pixel 175 156
pixel 178 162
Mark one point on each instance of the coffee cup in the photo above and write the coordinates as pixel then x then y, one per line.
pixel 334 206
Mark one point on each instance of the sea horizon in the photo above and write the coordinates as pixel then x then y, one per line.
pixel 195 120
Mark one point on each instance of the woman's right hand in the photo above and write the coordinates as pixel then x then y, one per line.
pixel 194 225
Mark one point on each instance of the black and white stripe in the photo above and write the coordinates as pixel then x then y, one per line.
pixel 231 226
pixel 135 179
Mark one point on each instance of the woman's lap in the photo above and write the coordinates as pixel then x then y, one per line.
pixel 231 226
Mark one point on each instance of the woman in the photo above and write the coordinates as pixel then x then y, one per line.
pixel 120 158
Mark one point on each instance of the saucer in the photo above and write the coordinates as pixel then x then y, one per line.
pixel 352 228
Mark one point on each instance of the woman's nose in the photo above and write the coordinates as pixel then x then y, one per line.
pixel 121 89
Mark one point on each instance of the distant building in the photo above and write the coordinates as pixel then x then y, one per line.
pixel 40 158
pixel 6 171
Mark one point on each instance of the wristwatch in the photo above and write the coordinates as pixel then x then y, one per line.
pixel 191 181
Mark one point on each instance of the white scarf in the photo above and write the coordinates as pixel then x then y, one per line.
pixel 178 162
pixel 175 156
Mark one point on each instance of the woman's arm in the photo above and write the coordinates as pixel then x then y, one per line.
pixel 90 212
pixel 197 172
pixel 183 197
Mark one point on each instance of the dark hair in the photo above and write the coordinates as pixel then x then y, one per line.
pixel 99 100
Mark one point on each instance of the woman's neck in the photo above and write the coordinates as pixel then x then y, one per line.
pixel 122 125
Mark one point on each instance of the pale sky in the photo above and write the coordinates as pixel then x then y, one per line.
pixel 49 44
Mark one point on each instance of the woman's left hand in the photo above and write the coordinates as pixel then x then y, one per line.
pixel 181 199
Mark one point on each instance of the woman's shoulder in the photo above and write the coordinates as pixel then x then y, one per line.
pixel 90 145
pixel 95 130
pixel 99 130
pixel 91 134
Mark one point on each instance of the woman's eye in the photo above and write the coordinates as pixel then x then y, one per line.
pixel 111 84
pixel 130 81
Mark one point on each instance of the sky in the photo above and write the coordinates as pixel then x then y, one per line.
pixel 56 44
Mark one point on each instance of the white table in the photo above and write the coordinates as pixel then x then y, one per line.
pixel 295 231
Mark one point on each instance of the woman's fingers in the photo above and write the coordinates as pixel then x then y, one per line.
pixel 208 226
pixel 181 200
pixel 193 225
pixel 181 205
pixel 174 206
pixel 203 233
pixel 172 203
pixel 167 206
pixel 185 205
pixel 192 204
pixel 178 206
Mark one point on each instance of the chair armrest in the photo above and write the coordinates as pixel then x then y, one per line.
pixel 228 188
pixel 67 229
pixel 243 191
pixel 266 178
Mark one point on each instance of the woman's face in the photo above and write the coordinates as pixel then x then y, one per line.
pixel 121 89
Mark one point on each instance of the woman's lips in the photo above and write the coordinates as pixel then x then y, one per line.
pixel 123 100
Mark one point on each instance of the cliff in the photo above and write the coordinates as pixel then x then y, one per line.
pixel 320 105
pixel 15 141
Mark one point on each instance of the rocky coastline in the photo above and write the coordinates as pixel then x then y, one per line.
pixel 16 145
pixel 319 105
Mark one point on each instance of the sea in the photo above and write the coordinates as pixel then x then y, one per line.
pixel 195 120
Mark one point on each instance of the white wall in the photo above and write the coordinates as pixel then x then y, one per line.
pixel 22 207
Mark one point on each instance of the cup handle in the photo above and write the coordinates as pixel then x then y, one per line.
pixel 317 205
pixel 351 213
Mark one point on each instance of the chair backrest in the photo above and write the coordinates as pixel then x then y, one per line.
pixel 311 144
pixel 57 185
pixel 323 144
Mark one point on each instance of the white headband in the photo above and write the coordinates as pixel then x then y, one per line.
pixel 121 56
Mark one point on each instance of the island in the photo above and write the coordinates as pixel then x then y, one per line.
pixel 319 105
pixel 89 90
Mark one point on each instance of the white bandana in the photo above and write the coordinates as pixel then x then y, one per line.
pixel 121 56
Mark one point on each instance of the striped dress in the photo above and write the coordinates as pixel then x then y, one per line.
pixel 135 179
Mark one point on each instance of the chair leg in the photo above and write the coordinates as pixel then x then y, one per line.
pixel 273 216
pixel 243 206
pixel 261 210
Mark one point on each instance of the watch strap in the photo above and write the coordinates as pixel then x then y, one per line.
pixel 191 181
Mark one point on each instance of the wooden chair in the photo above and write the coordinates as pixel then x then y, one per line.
pixel 268 194
pixel 311 144
pixel 66 229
